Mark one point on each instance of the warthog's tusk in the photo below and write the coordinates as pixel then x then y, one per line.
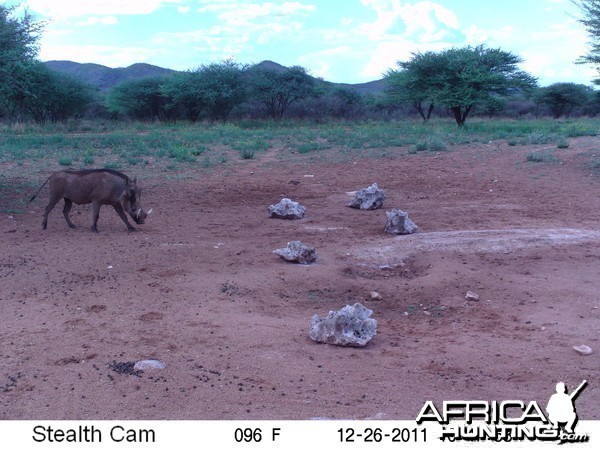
pixel 137 214
pixel 149 211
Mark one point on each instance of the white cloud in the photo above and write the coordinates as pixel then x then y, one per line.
pixel 60 9
pixel 183 9
pixel 402 28
pixel 220 42
pixel 245 14
pixel 241 26
pixel 106 20
pixel 422 20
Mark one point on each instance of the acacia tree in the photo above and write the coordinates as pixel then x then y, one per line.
pixel 591 21
pixel 562 98
pixel 460 78
pixel 18 51
pixel 220 87
pixel 184 92
pixel 141 99
pixel 410 85
pixel 278 88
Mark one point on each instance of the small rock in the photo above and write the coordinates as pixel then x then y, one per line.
pixel 472 296
pixel 286 209
pixel 351 326
pixel 398 223
pixel 376 295
pixel 582 349
pixel 368 198
pixel 149 364
pixel 298 252
pixel 427 313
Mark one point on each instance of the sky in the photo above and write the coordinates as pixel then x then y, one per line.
pixel 344 41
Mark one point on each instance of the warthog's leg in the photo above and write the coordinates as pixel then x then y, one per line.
pixel 95 215
pixel 121 213
pixel 66 210
pixel 51 204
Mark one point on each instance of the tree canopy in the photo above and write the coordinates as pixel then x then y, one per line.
pixel 140 99
pixel 27 87
pixel 221 88
pixel 591 21
pixel 562 98
pixel 458 78
pixel 411 83
pixel 18 51
pixel 277 89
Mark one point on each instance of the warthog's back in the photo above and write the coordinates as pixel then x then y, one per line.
pixel 86 186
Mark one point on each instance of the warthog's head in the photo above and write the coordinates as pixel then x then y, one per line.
pixel 132 203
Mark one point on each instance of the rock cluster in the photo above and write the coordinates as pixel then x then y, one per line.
pixel 298 252
pixel 286 209
pixel 398 223
pixel 367 198
pixel 351 326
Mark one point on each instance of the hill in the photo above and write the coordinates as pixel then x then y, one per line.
pixel 106 77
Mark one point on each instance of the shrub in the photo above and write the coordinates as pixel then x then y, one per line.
pixel 247 153
pixel 539 157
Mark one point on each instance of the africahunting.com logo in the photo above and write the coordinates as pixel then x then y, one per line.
pixel 510 420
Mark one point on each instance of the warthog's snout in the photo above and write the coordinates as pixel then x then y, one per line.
pixel 140 216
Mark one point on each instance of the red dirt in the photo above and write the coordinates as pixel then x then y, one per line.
pixel 198 288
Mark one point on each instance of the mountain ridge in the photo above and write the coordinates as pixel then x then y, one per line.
pixel 105 77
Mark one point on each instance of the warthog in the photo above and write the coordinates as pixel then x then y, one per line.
pixel 98 187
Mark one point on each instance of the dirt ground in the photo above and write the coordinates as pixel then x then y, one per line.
pixel 198 287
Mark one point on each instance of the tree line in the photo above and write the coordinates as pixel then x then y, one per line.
pixel 458 82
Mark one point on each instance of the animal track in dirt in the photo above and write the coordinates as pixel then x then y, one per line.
pixel 407 269
pixel 394 252
pixel 151 316
pixel 96 308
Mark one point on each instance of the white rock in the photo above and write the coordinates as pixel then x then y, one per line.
pixel 582 349
pixel 474 297
pixel 298 252
pixel 376 295
pixel 351 326
pixel 149 364
pixel 368 198
pixel 398 223
pixel 286 209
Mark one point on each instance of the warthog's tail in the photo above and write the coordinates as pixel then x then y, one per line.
pixel 33 198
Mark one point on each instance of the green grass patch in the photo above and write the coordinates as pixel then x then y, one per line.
pixel 93 142
pixel 65 161
pixel 308 147
pixel 541 157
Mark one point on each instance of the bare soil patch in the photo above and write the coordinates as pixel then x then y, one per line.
pixel 198 288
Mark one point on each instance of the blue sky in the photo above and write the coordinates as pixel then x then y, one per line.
pixel 349 41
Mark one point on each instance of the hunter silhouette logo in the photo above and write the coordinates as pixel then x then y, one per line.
pixel 509 420
pixel 561 407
